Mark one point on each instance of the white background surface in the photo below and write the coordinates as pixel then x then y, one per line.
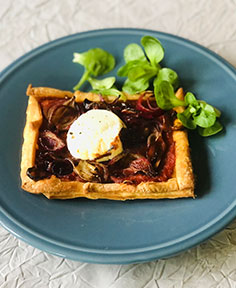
pixel 25 25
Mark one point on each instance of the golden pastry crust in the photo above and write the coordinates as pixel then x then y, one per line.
pixel 180 185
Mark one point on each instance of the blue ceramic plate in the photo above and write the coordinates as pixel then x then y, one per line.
pixel 105 231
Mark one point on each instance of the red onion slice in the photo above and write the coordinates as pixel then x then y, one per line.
pixel 49 105
pixel 147 112
pixel 140 106
pixel 154 109
pixel 155 148
pixel 92 171
pixel 60 113
pixel 139 165
pixel 62 117
pixel 50 141
pixel 61 167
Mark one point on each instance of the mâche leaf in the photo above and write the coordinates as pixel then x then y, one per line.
pixel 186 119
pixel 165 96
pixel 110 92
pixel 124 70
pixel 141 68
pixel 214 129
pixel 136 73
pixel 137 86
pixel 105 87
pixel 201 115
pixel 217 111
pixel 95 61
pixel 144 71
pixel 206 117
pixel 133 52
pixel 105 83
pixel 169 75
pixel 190 99
pixel 153 49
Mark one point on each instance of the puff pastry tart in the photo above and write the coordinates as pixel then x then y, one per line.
pixel 82 145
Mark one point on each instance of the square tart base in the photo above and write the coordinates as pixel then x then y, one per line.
pixel 180 185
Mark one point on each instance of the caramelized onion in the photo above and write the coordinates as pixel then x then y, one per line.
pixel 49 164
pixel 168 164
pixel 140 106
pixel 60 113
pixel 91 171
pixel 62 117
pixel 50 141
pixel 61 167
pixel 140 165
pixel 36 173
pixel 155 148
pixel 116 158
pixel 49 105
pixel 125 159
pixel 148 112
pixel 151 107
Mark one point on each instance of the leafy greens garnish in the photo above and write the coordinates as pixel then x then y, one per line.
pixel 142 68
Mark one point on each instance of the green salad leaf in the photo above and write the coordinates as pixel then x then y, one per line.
pixel 186 119
pixel 105 83
pixel 206 116
pixel 169 75
pixel 133 87
pixel 106 87
pixel 133 52
pixel 201 115
pixel 132 65
pixel 153 49
pixel 214 129
pixel 96 62
pixel 165 95
pixel 142 64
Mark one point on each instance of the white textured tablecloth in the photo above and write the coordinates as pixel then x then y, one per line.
pixel 27 24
